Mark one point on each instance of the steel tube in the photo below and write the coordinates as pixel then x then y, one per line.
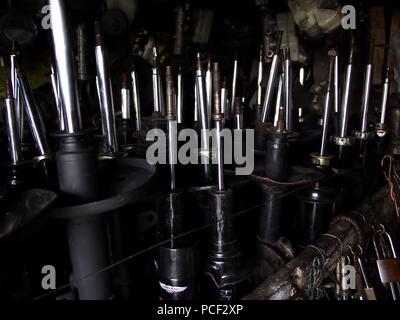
pixel 270 87
pixel 345 108
pixel 65 67
pixel 179 99
pixel 106 96
pixel 365 97
pixel 136 101
pixel 385 94
pixel 34 118
pixel 12 128
pixel 19 111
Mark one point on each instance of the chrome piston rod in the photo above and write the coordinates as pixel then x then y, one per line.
pixel 105 93
pixel 65 68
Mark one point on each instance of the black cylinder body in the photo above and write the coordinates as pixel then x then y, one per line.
pixel 276 157
pixel 177 259
pixel 270 215
pixel 317 206
pixel 78 180
pixel 225 263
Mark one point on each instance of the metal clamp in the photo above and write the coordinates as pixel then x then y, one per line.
pixel 343 141
pixel 323 161
pixel 366 135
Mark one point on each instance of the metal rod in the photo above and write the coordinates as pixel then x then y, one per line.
pixel 325 127
pixel 234 78
pixel 34 118
pixel 238 117
pixel 65 67
pixel 336 84
pixel 202 104
pixel 278 104
pixel 287 89
pixel 366 91
pixel 136 101
pixel 179 99
pixel 19 111
pixel 224 98
pixel 345 108
pixel 260 77
pixel 170 116
pixel 209 90
pixel 385 94
pixel 125 98
pixel 271 81
pixel 55 84
pixel 12 128
pixel 196 108
pixel 218 118
pixel 83 73
pixel 155 76
pixel 106 95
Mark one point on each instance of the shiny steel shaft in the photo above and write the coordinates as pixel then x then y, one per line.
pixel 270 88
pixel 327 106
pixel 260 77
pixel 55 84
pixel 272 78
pixel 385 94
pixel 234 79
pixel 278 104
pixel 106 95
pixel 12 129
pixel 136 101
pixel 65 67
pixel 336 84
pixel 209 90
pixel 218 118
pixel 33 116
pixel 287 89
pixel 365 97
pixel 170 117
pixel 345 103
pixel 19 111
pixel 179 98
pixel 224 99
pixel 202 104
pixel 238 116
pixel 125 99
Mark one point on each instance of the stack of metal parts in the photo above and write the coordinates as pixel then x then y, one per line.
pixel 196 247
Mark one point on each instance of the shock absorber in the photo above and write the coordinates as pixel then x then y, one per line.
pixel 224 264
pixel 381 132
pixel 176 260
pixel 364 136
pixel 344 141
pixel 78 174
pixel 317 204
pixel 14 143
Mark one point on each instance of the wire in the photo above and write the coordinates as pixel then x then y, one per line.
pixel 388 172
